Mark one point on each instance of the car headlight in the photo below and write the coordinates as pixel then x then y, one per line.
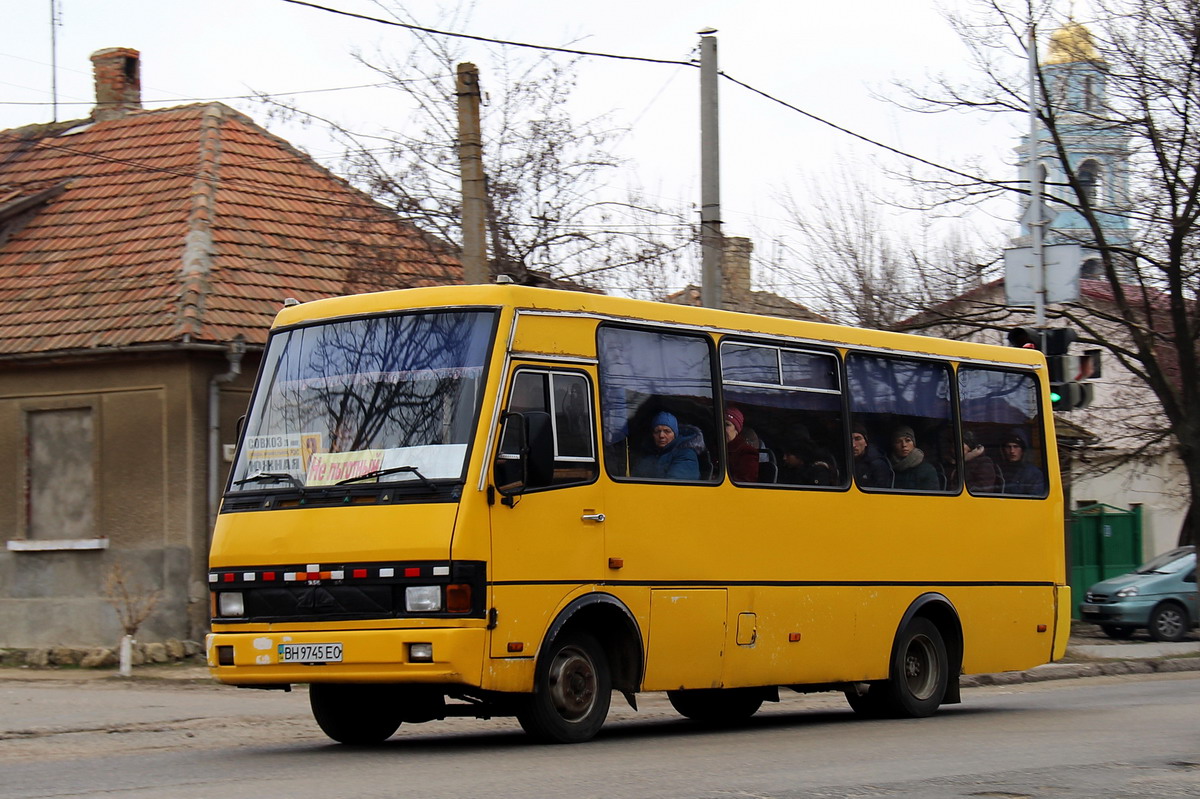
pixel 422 598
pixel 231 603
pixel 1131 590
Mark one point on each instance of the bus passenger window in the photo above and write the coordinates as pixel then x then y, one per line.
pixel 565 397
pixel 789 406
pixel 902 421
pixel 658 416
pixel 1002 415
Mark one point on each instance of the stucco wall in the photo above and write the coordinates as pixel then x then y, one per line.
pixel 150 450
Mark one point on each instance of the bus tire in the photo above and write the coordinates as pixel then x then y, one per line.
pixel 920 670
pixel 717 705
pixel 358 715
pixel 572 692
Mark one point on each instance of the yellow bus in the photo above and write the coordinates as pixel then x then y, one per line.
pixel 500 500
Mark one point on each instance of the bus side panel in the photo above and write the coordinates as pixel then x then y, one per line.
pixel 1001 626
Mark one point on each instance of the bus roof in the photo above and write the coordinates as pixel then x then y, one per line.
pixel 622 308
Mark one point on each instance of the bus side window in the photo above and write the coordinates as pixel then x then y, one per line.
pixel 650 379
pixel 1001 414
pixel 565 399
pixel 904 406
pixel 789 406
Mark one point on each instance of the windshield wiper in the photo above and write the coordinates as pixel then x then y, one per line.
pixel 394 470
pixel 274 477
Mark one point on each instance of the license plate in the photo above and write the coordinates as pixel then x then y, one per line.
pixel 1088 608
pixel 310 653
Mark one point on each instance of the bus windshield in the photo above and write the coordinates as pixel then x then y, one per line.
pixel 382 398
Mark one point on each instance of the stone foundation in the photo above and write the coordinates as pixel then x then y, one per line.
pixel 170 651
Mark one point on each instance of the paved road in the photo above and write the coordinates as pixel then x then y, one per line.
pixel 1132 737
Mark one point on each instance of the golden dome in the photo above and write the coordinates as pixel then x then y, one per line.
pixel 1072 43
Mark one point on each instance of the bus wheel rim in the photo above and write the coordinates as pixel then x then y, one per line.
pixel 921 667
pixel 572 684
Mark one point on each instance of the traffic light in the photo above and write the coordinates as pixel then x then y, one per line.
pixel 1027 337
pixel 1070 396
pixel 1067 373
pixel 1057 340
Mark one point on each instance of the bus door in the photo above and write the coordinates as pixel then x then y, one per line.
pixel 548 514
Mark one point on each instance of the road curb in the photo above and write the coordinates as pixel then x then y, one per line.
pixel 1070 671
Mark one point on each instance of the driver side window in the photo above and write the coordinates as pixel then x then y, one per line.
pixel 551 410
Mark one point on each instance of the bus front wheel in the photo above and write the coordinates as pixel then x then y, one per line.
pixel 572 692
pixel 355 714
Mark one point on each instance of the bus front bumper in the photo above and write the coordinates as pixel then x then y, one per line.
pixel 424 655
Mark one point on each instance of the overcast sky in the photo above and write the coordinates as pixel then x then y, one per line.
pixel 824 57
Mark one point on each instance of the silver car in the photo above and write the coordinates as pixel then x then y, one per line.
pixel 1160 596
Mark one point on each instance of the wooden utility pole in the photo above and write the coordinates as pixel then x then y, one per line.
pixel 712 247
pixel 474 190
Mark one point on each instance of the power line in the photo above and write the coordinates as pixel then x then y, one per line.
pixel 760 92
pixel 487 39
pixel 863 138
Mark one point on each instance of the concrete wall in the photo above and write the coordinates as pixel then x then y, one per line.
pixel 149 454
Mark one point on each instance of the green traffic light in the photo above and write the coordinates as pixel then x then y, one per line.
pixel 1055 397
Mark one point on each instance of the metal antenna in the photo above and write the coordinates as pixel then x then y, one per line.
pixel 55 22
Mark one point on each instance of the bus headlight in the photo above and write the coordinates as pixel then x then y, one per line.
pixel 422 598
pixel 231 603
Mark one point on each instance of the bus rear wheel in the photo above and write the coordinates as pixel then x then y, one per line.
pixel 572 693
pixel 917 678
pixel 717 705
pixel 355 714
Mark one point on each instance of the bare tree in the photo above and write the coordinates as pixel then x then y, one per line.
pixel 855 264
pixel 133 605
pixel 1142 302
pixel 552 210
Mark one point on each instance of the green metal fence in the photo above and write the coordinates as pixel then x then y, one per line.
pixel 1105 542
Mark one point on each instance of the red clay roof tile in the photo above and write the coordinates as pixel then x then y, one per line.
pixel 102 263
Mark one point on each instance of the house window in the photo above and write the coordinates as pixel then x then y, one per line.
pixel 60 474
pixel 1088 176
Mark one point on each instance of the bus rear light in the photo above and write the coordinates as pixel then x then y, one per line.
pixel 420 653
pixel 422 598
pixel 793 637
pixel 458 598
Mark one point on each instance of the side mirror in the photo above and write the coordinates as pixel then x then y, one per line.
pixel 526 458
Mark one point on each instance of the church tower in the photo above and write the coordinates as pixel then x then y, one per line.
pixel 1097 151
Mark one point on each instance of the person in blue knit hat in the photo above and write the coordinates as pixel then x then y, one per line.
pixel 669 457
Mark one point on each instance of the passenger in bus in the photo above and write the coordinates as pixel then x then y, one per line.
pixel 871 469
pixel 743 456
pixel 803 463
pixel 1020 477
pixel 913 472
pixel 981 472
pixel 670 457
pixel 978 469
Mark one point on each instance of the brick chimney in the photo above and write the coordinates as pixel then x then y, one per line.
pixel 118 74
pixel 737 267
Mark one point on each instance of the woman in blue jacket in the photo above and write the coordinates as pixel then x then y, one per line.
pixel 671 457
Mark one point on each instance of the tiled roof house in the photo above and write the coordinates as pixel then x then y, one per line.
pixel 143 255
